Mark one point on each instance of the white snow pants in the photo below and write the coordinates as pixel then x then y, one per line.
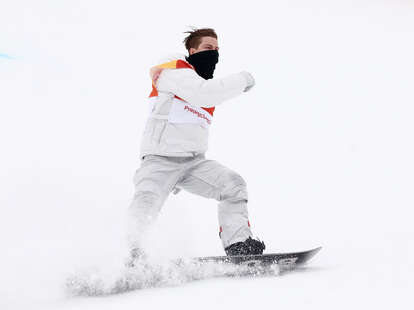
pixel 160 175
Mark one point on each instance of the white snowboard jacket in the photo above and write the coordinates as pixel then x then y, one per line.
pixel 182 106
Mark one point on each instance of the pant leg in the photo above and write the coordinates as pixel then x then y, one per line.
pixel 153 181
pixel 210 179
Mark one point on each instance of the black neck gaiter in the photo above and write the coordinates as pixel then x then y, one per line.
pixel 204 63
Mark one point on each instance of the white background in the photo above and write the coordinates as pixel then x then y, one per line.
pixel 324 141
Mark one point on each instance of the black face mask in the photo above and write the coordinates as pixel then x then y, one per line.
pixel 204 63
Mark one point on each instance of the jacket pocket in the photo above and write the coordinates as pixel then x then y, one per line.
pixel 159 129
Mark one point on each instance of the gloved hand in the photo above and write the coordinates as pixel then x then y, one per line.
pixel 250 80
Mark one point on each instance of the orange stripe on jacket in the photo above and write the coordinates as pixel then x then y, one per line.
pixel 175 64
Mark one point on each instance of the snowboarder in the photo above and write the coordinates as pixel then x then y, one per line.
pixel 183 99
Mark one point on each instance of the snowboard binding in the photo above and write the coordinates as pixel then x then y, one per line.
pixel 248 247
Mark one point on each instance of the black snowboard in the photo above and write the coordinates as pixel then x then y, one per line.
pixel 285 261
pixel 185 270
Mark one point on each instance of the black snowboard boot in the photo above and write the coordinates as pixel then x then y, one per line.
pixel 248 247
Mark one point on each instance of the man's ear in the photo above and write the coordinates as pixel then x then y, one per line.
pixel 191 51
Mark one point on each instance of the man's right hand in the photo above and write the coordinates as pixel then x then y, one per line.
pixel 249 79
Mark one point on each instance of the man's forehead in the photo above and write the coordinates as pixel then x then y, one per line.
pixel 209 40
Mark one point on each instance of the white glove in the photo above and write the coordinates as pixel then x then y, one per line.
pixel 249 79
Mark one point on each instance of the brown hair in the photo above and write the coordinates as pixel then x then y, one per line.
pixel 193 40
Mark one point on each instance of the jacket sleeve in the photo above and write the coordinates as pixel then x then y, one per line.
pixel 188 85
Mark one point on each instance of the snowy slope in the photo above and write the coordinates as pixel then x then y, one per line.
pixel 324 141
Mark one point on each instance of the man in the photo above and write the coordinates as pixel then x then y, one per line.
pixel 183 98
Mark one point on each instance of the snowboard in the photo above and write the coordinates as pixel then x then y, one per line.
pixel 184 270
pixel 284 261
